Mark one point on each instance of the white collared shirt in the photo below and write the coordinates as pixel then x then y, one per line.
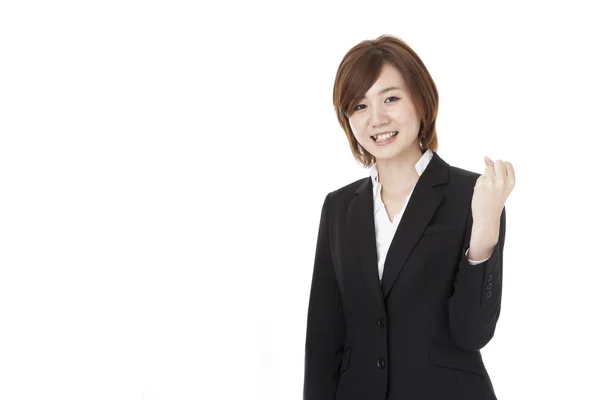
pixel 384 229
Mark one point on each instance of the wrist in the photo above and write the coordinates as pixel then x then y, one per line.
pixel 479 251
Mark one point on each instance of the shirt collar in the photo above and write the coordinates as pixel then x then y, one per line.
pixel 419 166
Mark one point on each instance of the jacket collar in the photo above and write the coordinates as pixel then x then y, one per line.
pixel 426 197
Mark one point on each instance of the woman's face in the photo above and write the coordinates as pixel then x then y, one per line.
pixel 383 110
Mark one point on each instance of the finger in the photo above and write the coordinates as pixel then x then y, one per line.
pixel 489 172
pixel 488 161
pixel 510 171
pixel 500 169
pixel 480 180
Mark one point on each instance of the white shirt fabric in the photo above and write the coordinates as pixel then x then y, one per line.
pixel 384 229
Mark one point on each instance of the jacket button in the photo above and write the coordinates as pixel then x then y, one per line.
pixel 490 278
pixel 489 286
pixel 381 363
pixel 381 322
pixel 488 294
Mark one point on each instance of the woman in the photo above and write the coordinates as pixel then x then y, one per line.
pixel 407 280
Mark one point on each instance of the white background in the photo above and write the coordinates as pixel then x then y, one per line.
pixel 163 166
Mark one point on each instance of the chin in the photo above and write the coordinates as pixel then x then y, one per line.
pixel 388 151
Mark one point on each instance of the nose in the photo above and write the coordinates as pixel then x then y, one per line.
pixel 378 116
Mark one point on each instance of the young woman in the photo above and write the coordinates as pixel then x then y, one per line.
pixel 407 279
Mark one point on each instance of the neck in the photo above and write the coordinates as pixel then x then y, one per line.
pixel 398 174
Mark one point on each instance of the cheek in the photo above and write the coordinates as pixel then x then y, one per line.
pixel 364 140
pixel 403 114
pixel 357 133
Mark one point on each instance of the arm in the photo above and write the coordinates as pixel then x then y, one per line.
pixel 474 307
pixel 326 327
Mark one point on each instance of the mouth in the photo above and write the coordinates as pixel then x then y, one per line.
pixel 384 138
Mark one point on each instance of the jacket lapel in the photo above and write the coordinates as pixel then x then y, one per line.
pixel 425 199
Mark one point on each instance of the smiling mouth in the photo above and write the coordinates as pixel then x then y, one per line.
pixel 382 138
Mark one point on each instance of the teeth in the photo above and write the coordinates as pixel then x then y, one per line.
pixel 384 136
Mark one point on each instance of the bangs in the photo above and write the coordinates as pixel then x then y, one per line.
pixel 356 82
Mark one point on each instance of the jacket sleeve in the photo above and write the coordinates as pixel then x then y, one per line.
pixel 326 327
pixel 474 306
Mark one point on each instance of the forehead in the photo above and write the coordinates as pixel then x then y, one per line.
pixel 389 77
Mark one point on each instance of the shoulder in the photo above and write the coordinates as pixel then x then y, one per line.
pixel 336 202
pixel 461 182
pixel 347 190
pixel 340 196
pixel 462 176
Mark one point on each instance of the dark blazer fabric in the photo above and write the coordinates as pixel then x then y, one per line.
pixel 417 334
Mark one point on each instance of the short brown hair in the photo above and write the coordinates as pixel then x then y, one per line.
pixel 359 70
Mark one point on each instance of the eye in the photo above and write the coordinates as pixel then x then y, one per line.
pixel 392 97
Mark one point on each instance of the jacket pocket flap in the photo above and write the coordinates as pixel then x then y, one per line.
pixel 442 227
pixel 446 355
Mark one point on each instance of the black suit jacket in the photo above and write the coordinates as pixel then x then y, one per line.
pixel 417 334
